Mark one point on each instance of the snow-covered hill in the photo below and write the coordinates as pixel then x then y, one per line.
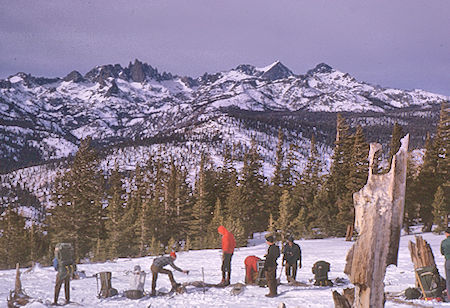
pixel 39 281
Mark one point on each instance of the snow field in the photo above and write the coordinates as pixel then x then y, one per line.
pixel 39 282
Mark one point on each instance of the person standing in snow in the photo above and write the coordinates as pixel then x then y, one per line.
pixel 270 266
pixel 228 245
pixel 291 254
pixel 445 250
pixel 158 267
pixel 251 269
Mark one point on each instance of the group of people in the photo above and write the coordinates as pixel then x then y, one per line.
pixel 291 256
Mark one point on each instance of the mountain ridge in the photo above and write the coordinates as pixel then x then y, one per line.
pixel 44 118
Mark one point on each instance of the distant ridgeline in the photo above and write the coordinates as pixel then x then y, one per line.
pixel 44 119
pixel 131 162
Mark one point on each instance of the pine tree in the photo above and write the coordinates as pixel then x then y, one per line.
pixel 271 228
pixel 254 211
pixel 427 184
pixel 216 221
pixel 115 213
pixel 285 218
pixel 340 175
pixel 410 201
pixel 201 212
pixel 14 244
pixel 278 181
pixel 77 216
pixel 442 145
pixel 441 208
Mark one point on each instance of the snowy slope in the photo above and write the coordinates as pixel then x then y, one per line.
pixel 39 282
pixel 44 118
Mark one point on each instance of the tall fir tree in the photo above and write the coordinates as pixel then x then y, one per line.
pixel 442 145
pixel 78 196
pixel 340 174
pixel 441 208
pixel 285 218
pixel 201 211
pixel 115 213
pixel 427 184
pixel 254 210
pixel 14 239
pixel 410 211
pixel 276 188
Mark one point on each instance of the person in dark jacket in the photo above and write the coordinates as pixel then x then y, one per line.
pixel 158 267
pixel 62 277
pixel 228 245
pixel 445 250
pixel 270 266
pixel 291 255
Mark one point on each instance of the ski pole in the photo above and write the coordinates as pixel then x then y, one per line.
pixel 203 277
pixel 279 278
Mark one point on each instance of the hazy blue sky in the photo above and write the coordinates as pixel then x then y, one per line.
pixel 403 44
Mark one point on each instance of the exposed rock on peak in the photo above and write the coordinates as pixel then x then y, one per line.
pixel 113 90
pixel 101 73
pixel 276 71
pixel 74 76
pixel 321 68
pixel 246 69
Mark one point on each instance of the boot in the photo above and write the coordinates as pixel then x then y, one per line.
pixel 227 279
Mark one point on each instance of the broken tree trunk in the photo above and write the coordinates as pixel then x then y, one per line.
pixel 379 207
pixel 17 297
pixel 421 254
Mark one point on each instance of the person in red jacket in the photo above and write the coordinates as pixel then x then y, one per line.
pixel 228 245
pixel 251 269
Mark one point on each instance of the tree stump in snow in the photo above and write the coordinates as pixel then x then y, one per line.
pixel 340 301
pixel 379 207
pixel 421 254
pixel 17 297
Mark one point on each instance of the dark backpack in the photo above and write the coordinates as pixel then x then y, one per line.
pixel 64 254
pixel 430 281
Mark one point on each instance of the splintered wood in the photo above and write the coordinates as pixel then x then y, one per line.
pixel 379 207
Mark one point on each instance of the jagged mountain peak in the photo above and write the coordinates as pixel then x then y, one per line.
pixel 74 76
pixel 321 68
pixel 276 71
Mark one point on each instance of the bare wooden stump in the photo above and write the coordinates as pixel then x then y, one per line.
pixel 421 253
pixel 340 301
pixel 379 208
pixel 17 297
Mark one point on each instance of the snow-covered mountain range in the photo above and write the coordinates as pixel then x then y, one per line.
pixel 44 118
pixel 134 110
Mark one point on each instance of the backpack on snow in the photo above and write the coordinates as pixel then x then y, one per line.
pixel 64 254
pixel 320 270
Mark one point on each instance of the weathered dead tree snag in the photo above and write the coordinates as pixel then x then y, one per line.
pixel 421 254
pixel 379 209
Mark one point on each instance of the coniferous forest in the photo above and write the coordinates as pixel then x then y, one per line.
pixel 156 208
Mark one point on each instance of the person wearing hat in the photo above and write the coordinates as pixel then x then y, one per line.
pixel 291 254
pixel 270 265
pixel 158 267
pixel 445 250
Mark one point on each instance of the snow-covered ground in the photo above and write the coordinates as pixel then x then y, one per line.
pixel 39 282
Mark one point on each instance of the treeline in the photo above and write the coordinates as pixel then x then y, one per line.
pixel 154 208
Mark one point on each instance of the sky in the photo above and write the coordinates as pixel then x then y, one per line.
pixel 393 43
